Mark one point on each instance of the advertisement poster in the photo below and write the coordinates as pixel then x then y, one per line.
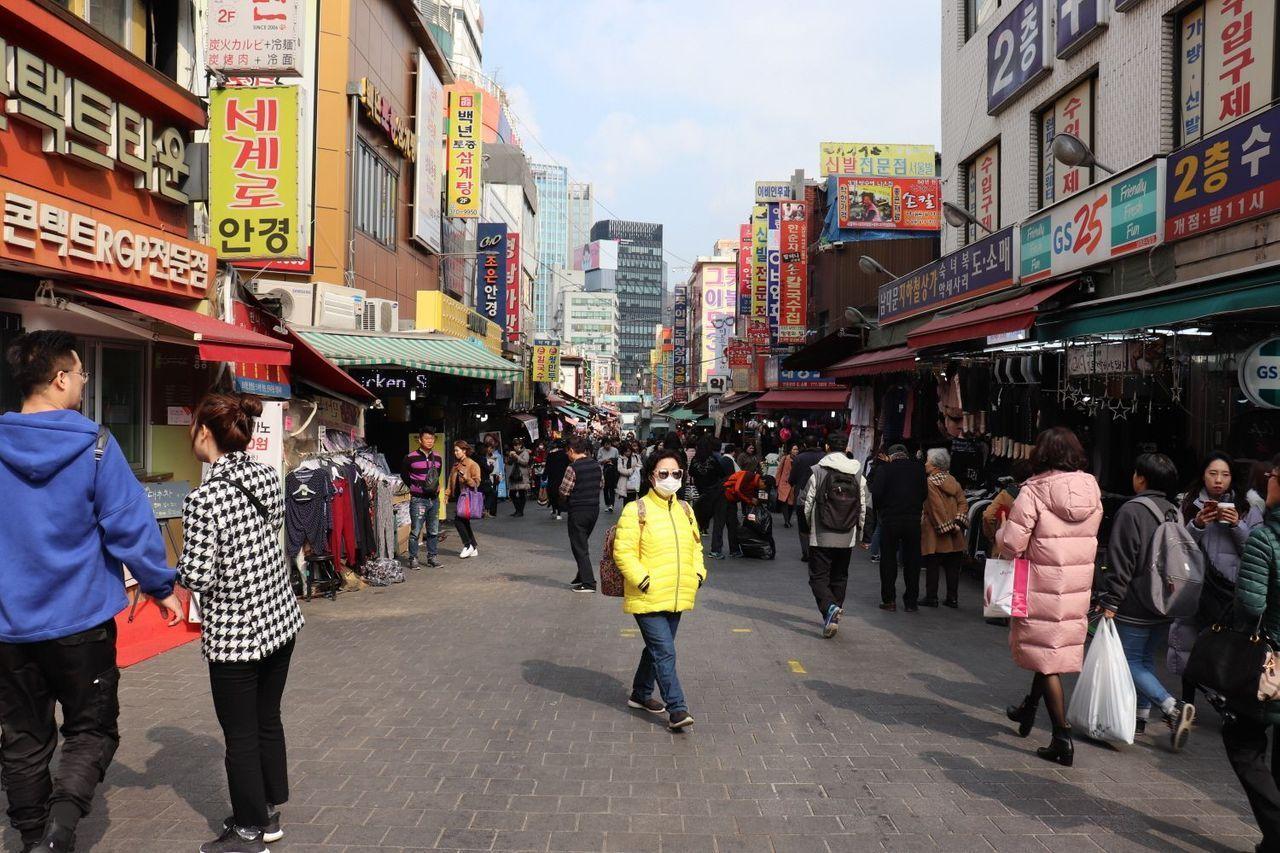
pixel 876 159
pixel 253 173
pixel 1231 176
pixel 792 307
pixel 464 156
pixel 513 286
pixel 1191 75
pixel 758 329
pixel 719 295
pixel 889 204
pixel 986 266
pixel 491 272
pixel 252 37
pixel 773 259
pixel 744 271
pixel 428 168
pixel 984 190
pixel 1018 52
pixel 546 360
pixel 1072 113
pixel 680 340
pixel 267 444
pixel 1123 215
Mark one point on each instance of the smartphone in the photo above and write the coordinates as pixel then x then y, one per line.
pixel 1211 507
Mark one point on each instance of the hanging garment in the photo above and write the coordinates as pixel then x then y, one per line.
pixel 307 516
pixel 362 503
pixel 342 536
pixel 385 526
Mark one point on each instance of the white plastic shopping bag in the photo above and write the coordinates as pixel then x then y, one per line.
pixel 1004 590
pixel 1105 703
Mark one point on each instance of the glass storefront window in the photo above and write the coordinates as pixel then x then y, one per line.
pixel 116 394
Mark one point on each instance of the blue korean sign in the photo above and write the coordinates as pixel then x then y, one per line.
pixel 1017 52
pixel 1228 177
pixel 491 272
pixel 804 379
pixel 980 268
pixel 1078 22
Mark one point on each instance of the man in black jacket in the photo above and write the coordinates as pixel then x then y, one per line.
pixel 580 493
pixel 801 470
pixel 898 493
pixel 1141 632
pixel 557 464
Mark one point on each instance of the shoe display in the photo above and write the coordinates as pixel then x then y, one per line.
pixel 1179 721
pixel 1024 715
pixel 653 706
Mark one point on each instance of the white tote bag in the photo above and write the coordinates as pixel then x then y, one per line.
pixel 1104 705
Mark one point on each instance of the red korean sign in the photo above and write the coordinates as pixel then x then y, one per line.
pixel 889 204
pixel 513 286
pixel 744 270
pixel 794 274
pixel 739 355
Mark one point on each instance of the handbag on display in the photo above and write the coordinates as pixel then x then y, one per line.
pixel 1240 665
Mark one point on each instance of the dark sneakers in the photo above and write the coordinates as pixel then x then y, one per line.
pixel 433 563
pixel 236 840
pixel 653 706
pixel 680 720
pixel 57 839
pixel 578 586
pixel 832 621
pixel 270 833
pixel 1179 721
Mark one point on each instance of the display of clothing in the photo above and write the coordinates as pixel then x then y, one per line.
pixel 342 534
pixel 307 517
pixel 385 523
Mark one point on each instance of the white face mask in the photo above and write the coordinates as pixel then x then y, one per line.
pixel 667 487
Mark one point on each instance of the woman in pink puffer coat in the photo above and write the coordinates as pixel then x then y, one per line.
pixel 1053 525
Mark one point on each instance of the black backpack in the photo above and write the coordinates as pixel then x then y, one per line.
pixel 840 501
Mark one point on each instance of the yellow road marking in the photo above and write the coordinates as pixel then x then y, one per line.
pixel 629 632
pixel 796 667
pixel 742 630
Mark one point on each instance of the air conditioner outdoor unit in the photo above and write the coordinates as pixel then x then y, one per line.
pixel 381 315
pixel 296 300
pixel 339 307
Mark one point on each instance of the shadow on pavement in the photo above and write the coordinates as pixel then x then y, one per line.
pixel 581 683
pixel 534 580
pixel 192 764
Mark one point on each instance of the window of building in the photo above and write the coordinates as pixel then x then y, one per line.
pixel 1226 64
pixel 982 192
pixel 115 394
pixel 976 13
pixel 377 191
pixel 1071 112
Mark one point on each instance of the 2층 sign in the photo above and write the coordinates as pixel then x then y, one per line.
pixel 1017 52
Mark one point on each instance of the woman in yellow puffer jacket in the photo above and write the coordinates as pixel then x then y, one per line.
pixel 661 563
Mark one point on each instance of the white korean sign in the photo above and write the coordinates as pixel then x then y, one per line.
pixel 427 216
pixel 267 443
pixel 255 37
pixel 767 191
pixel 1073 113
pixel 1240 56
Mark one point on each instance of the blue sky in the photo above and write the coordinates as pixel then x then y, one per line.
pixel 674 109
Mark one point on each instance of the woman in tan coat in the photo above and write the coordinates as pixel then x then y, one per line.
pixel 1054 526
pixel 787 494
pixel 465 475
pixel 942 529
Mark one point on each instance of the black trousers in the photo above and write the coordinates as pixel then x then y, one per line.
pixel 802 527
pixel 895 534
pixel 518 498
pixel 581 522
pixel 610 485
pixel 829 576
pixel 490 492
pixel 79 673
pixel 629 497
pixel 246 698
pixel 704 511
pixel 724 518
pixel 463 526
pixel 947 564
pixel 1245 740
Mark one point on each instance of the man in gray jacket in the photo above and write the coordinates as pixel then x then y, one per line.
pixel 834 502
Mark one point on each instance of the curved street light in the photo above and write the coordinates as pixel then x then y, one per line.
pixel 871 266
pixel 1071 150
pixel 958 217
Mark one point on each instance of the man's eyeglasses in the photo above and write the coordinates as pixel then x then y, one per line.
pixel 83 374
pixel 675 475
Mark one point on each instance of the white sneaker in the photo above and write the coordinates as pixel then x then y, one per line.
pixel 464 553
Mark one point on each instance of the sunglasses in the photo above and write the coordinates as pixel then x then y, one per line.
pixel 675 475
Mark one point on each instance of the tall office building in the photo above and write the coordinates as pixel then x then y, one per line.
pixel 458 27
pixel 553 241
pixel 639 283
pixel 581 214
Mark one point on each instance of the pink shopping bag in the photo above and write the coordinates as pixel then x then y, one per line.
pixel 1021 576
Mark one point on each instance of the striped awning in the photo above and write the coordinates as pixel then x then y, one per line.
pixel 453 356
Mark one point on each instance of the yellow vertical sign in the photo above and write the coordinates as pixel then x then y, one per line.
pixel 465 149
pixel 253 173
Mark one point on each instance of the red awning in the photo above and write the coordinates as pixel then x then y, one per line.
pixel 891 360
pixel 804 398
pixel 217 341
pixel 1013 315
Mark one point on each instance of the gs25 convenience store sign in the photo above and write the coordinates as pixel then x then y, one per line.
pixel 1123 215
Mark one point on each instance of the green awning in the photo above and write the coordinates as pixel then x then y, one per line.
pixel 1147 310
pixel 453 356
pixel 681 415
pixel 574 411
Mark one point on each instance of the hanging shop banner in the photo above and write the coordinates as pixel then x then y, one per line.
pixel 987 266
pixel 889 204
pixel 744 271
pixel 758 329
pixel 680 340
pixel 1260 374
pixel 719 295
pixel 738 354
pixel 1115 218
pixel 465 149
pixel 1239 57
pixel 266 446
pixel 984 188
pixel 265 380
pixel 1072 113
pixel 774 260
pixel 1191 75
pixel 792 308
pixel 253 173
pixel 428 221
pixel 546 360
pixel 513 307
pixel 1231 176
pixel 767 191
pixel 876 159
pixel 491 272
pixel 1018 52
pixel 1079 22
pixel 255 37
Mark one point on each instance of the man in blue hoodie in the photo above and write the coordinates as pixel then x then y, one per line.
pixel 74 514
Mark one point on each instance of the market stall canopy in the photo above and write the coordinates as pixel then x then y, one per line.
pixel 737 401
pixel 310 366
pixel 1011 315
pixel 805 398
pixel 216 340
pixel 452 356
pixel 681 415
pixel 872 362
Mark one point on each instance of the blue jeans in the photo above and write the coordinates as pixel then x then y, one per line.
pixel 875 542
pixel 658 660
pixel 1141 642
pixel 420 510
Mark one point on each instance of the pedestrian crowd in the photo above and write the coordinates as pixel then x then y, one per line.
pixel 1188 570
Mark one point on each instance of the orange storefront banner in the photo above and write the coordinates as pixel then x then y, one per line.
pixel 56 235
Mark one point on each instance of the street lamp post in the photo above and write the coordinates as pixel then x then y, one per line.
pixel 871 266
pixel 958 217
pixel 1070 150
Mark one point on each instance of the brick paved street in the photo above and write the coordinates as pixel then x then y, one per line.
pixel 482 707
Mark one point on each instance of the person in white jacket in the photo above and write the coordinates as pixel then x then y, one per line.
pixel 630 463
pixel 835 503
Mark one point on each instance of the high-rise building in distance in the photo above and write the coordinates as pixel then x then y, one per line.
pixel 553 242
pixel 639 286
pixel 581 214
